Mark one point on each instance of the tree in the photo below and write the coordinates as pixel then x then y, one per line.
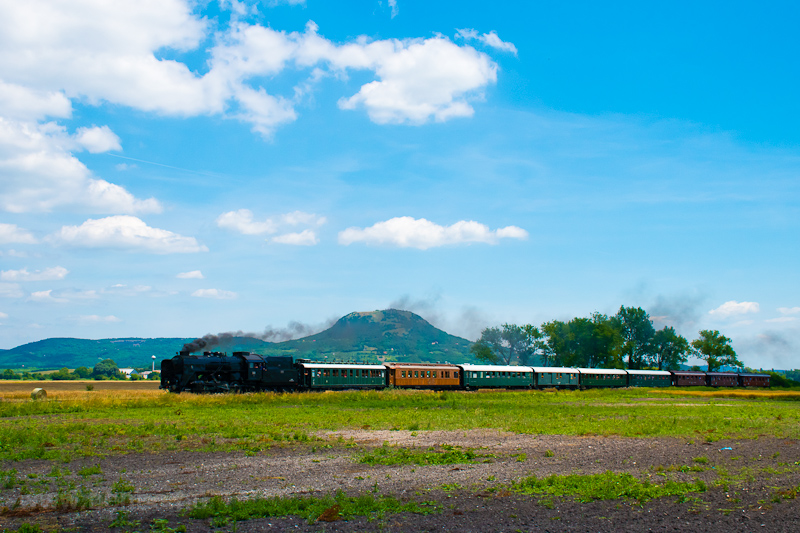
pixel 636 330
pixel 669 349
pixel 82 372
pixel 584 342
pixel 106 369
pixel 715 349
pixel 506 344
pixel 62 375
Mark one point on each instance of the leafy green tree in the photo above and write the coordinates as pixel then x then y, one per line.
pixel 669 349
pixel 10 374
pixel 106 369
pixel 583 342
pixel 507 344
pixel 62 375
pixel 82 372
pixel 636 330
pixel 715 349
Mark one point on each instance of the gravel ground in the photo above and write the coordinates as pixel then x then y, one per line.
pixel 163 484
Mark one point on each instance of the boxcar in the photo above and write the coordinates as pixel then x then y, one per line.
pixel 688 378
pixel 722 379
pixel 754 380
pixel 649 378
pixel 558 377
pixel 315 376
pixel 423 375
pixel 496 377
pixel 603 377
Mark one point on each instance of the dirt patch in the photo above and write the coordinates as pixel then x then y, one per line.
pixel 470 496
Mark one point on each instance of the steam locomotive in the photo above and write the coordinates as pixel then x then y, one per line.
pixel 215 372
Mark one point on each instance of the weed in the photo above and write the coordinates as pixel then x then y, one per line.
pixel 549 453
pixel 702 460
pixel 123 521
pixel 90 471
pixel 605 486
pixel 441 455
pixel 310 508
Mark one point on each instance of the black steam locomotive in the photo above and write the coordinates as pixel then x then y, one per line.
pixel 216 372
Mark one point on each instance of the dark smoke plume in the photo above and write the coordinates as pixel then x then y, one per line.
pixel 294 330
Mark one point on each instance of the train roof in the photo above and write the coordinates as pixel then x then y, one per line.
pixel 495 368
pixel 342 365
pixel 554 369
pixel 426 366
pixel 649 372
pixel 614 371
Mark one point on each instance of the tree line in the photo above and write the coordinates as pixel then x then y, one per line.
pixel 106 369
pixel 627 339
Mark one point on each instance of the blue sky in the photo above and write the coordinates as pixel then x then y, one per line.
pixel 172 168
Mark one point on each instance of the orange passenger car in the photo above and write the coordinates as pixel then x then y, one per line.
pixel 424 375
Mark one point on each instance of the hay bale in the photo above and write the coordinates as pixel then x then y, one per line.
pixel 39 394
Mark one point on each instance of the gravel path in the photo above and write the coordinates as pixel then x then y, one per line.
pixel 163 484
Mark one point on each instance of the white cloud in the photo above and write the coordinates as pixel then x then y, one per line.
pixel 242 221
pixel 11 233
pixel 419 80
pixel 48 274
pixel 194 274
pixel 10 290
pixel 408 232
pixel 39 174
pixel 489 39
pixel 789 310
pixel 124 290
pixel 125 232
pixel 97 140
pixel 45 297
pixel 781 319
pixel 97 319
pixel 52 52
pixel 734 308
pixel 304 238
pixel 3 315
pixel 216 294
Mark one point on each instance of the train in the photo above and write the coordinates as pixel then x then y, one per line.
pixel 216 372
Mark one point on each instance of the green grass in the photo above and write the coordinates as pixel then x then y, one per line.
pixel 605 486
pixel 310 508
pixel 440 455
pixel 92 425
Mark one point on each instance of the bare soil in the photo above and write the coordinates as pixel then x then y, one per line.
pixel 757 498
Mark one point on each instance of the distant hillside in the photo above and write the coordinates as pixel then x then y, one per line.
pixel 57 353
pixel 389 335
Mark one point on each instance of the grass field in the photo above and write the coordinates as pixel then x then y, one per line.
pixel 120 418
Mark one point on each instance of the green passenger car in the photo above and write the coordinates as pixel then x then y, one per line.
pixel 341 376
pixel 545 377
pixel 496 377
pixel 603 377
pixel 649 378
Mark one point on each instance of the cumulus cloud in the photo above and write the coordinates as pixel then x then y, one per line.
pixel 216 294
pixel 45 297
pixel 10 290
pixel 48 274
pixel 242 221
pixel 489 39
pixel 395 9
pixel 10 233
pixel 734 308
pixel 97 140
pixel 125 232
pixel 789 310
pixel 38 173
pixel 97 319
pixel 304 238
pixel 194 274
pixel 3 315
pixel 408 232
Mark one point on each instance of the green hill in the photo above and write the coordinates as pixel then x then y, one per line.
pixel 389 335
